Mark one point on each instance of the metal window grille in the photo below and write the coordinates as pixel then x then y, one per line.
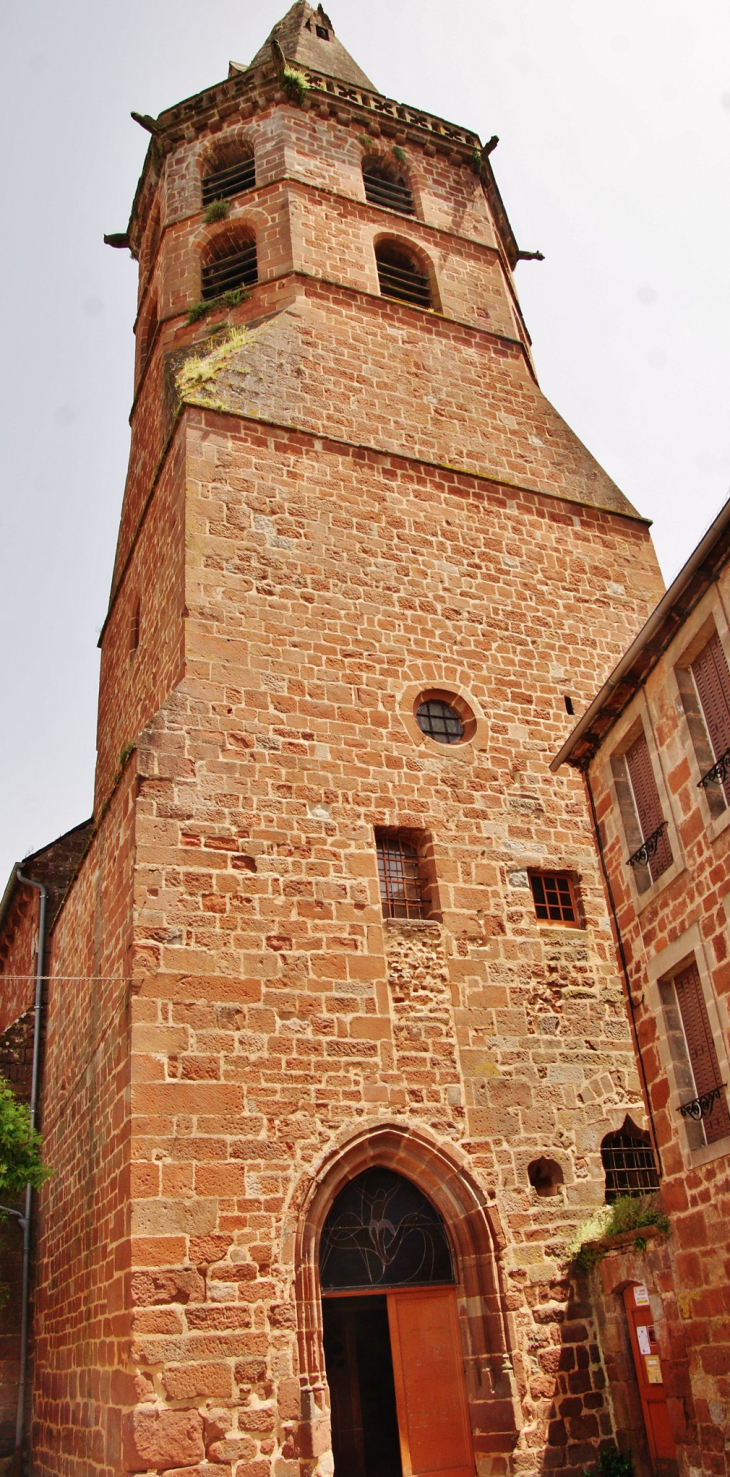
pixel 440 722
pixel 240 269
pixel 629 1164
pixel 399 877
pixel 400 279
pixel 233 180
pixel 552 894
pixel 389 193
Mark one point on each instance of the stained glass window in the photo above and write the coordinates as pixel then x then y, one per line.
pixel 383 1232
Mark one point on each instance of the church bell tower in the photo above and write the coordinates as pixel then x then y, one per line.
pixel 339 941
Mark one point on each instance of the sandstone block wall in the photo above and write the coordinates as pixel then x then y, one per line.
pixel 360 501
pixel 276 1016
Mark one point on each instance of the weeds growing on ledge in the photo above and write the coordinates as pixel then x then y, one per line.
pixel 225 300
pixel 627 1213
pixel 216 211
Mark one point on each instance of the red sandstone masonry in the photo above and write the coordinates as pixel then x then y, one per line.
pixel 244 1029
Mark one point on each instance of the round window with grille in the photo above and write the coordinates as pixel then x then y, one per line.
pixel 439 721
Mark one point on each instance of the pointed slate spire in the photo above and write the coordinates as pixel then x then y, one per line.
pixel 307 36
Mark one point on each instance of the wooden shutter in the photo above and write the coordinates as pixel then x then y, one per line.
pixel 648 805
pixel 701 1050
pixel 712 680
pixel 430 1392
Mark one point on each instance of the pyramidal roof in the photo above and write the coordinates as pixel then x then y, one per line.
pixel 307 36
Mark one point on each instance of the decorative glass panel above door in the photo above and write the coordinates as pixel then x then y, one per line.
pixel 383 1232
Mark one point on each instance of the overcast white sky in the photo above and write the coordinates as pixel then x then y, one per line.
pixel 614 159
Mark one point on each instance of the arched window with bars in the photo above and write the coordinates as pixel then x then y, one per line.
pixel 403 275
pixel 229 262
pixel 628 1162
pixel 229 171
pixel 387 185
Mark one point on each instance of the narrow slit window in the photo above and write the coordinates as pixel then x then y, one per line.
pixel 400 276
pixel 231 176
pixel 554 898
pixel 236 266
pixel 134 621
pixel 628 1162
pixel 402 893
pixel 655 852
pixel 147 334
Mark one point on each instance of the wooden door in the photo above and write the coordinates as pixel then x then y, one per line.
pixel 645 1350
pixel 430 1389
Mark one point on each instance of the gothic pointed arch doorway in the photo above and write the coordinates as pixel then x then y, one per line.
pixel 391 1334
pixel 475 1240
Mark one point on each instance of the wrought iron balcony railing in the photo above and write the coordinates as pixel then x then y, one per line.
pixel 718 774
pixel 648 849
pixel 702 1106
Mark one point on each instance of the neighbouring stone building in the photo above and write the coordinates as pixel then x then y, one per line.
pixel 654 747
pixel 335 1044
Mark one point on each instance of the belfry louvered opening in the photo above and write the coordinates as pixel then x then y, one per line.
pixel 235 265
pixel 230 174
pixel 384 187
pixel 401 276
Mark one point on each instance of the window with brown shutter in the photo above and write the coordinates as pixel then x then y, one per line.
pixel 710 1105
pixel 712 680
pixel 655 851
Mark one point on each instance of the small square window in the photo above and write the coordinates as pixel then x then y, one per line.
pixel 323 33
pixel 554 898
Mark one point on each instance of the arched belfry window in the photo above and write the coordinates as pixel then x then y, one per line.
pixel 229 171
pixel 401 275
pixel 229 262
pixel 383 1232
pixel 386 185
pixel 629 1163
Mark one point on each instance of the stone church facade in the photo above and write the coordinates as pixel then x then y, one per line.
pixel 364 573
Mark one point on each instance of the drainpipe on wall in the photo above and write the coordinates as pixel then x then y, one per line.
pixel 24 1221
pixel 625 971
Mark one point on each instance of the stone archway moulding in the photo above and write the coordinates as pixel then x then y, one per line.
pixel 477 1240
